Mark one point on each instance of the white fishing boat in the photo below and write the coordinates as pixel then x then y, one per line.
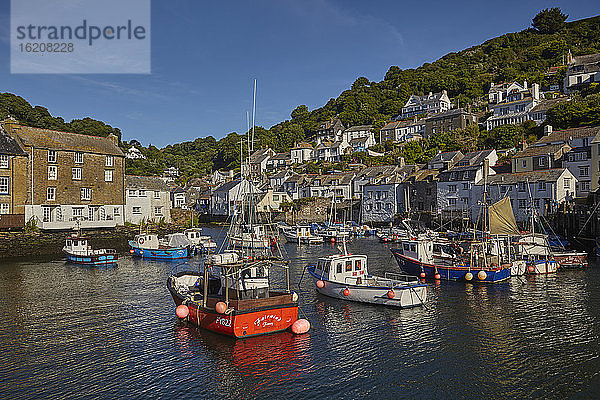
pixel 203 243
pixel 535 248
pixel 301 234
pixel 345 276
pixel 252 237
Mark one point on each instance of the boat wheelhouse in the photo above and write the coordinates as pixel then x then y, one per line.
pixel 78 251
pixel 345 276
pixel 301 234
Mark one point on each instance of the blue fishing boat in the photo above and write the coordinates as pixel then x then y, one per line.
pixel 78 251
pixel 149 246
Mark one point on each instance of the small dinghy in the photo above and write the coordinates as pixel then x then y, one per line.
pixel 79 251
pixel 345 276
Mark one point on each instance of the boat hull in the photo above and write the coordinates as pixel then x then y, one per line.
pixel 450 272
pixel 542 267
pixel 100 259
pixel 175 253
pixel 571 260
pixel 261 320
pixel 302 240
pixel 407 296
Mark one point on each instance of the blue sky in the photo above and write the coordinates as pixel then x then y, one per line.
pixel 205 55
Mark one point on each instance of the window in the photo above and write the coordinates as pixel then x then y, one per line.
pixel 137 210
pixel 76 173
pixel 522 203
pixel 86 193
pixel 567 183
pixel 542 161
pixel 47 214
pixel 536 202
pixel 584 171
pixel 541 185
pixel 102 216
pixel 51 194
pixel 77 212
pixel 142 193
pixel 110 161
pixel 349 265
pixel 452 188
pixel 4 161
pixel 4 208
pixel 78 157
pixel 132 193
pixel 452 202
pixel 156 194
pixel 52 172
pixel 522 186
pixel 388 206
pixel 465 186
pixel 464 200
pixel 3 185
pixel 585 186
pixel 92 213
pixel 117 211
pixel 275 197
pixel 51 156
pixel 524 163
pixel 357 265
pixel 586 142
pixel 158 210
pixel 108 175
pixel 338 268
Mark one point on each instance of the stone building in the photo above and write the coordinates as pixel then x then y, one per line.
pixel 450 120
pixel 72 179
pixel 13 182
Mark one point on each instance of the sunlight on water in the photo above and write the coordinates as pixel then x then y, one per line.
pixel 71 331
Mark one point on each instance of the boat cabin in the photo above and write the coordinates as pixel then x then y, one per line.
pixel 193 235
pixel 303 231
pixel 146 241
pixel 250 281
pixel 77 245
pixel 427 251
pixel 350 269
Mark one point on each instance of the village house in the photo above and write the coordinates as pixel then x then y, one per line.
pixel 454 190
pixel 478 158
pixel 361 137
pixel 542 190
pixel 445 160
pixel 13 182
pixel 538 113
pixel 134 154
pixel 301 153
pixel 276 180
pixel 278 162
pixel 220 177
pixel 330 131
pixel 226 198
pixel 337 185
pixel 595 163
pixel 71 178
pixel 178 198
pixel 293 184
pixel 420 191
pixel 431 103
pixel 330 152
pixel 581 71
pixel 383 198
pixel 271 200
pixel 511 103
pixel 258 162
pixel 403 131
pixel 148 199
pixel 370 175
pixel 449 121
pixel 535 158
pixel 170 174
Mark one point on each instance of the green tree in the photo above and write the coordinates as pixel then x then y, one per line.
pixel 549 20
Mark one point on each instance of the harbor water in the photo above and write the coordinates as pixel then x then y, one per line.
pixel 68 331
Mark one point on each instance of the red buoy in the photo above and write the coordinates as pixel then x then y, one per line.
pixel 346 292
pixel 300 326
pixel 437 276
pixel 332 240
pixel 182 311
pixel 320 284
pixel 422 275
pixel 221 307
pixel 531 268
pixel 391 294
pixel 131 251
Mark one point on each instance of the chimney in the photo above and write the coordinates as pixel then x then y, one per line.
pixel 569 57
pixel 525 84
pixel 547 130
pixel 430 94
pixel 535 91
pixel 113 138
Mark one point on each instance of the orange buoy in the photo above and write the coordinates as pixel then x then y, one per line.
pixel 332 240
pixel 391 294
pixel 437 276
pixel 320 284
pixel 182 311
pixel 481 275
pixel 221 307
pixel 301 326
pixel 469 276
pixel 346 292
pixel 531 268
pixel 131 251
pixel 422 275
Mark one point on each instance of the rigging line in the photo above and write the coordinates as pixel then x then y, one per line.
pixel 589 218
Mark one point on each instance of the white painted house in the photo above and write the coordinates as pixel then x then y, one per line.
pixel 228 196
pixel 431 103
pixel 301 153
pixel 147 198
pixel 511 103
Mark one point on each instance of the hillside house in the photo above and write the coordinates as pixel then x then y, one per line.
pixel 432 103
pixel 148 199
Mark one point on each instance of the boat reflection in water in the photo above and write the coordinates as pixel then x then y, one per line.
pixel 252 366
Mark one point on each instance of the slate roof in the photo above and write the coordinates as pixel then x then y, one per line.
pixel 475 157
pixel 8 145
pixel 531 176
pixel 586 59
pixel 423 175
pixel 145 182
pixel 281 156
pixel 359 140
pixel 55 140
pixel 541 150
pixel 303 145
pixel 545 105
pixel 448 113
pixel 227 186
pixel 359 128
pixel 567 134
pixel 445 157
